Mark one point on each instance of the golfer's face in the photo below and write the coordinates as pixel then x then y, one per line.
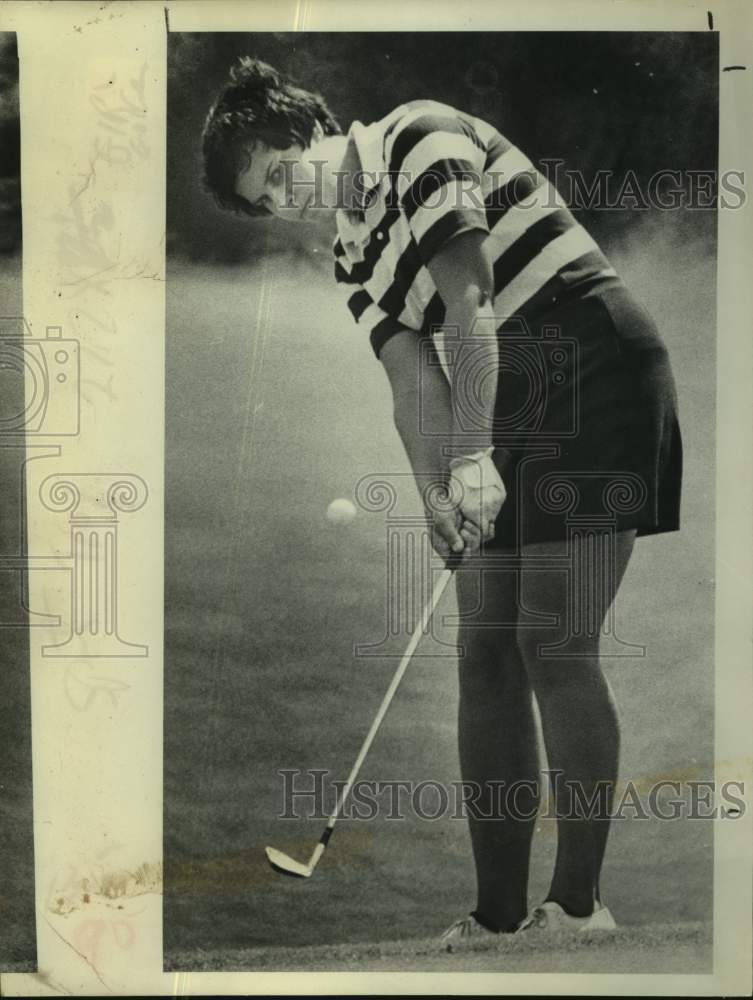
pixel 281 180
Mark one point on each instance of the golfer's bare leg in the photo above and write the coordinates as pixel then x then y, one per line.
pixel 497 740
pixel 578 714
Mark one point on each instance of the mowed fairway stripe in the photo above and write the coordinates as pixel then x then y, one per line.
pixel 233 552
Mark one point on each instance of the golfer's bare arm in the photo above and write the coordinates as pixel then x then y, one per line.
pixel 421 397
pixel 462 273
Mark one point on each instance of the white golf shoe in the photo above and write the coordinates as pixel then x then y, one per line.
pixel 464 932
pixel 550 916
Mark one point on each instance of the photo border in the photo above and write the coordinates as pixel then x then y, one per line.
pixel 100 769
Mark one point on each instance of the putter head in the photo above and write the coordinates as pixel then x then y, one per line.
pixel 286 865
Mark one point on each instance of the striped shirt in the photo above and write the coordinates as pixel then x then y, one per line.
pixel 431 172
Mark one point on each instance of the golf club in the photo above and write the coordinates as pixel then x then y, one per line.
pixel 283 863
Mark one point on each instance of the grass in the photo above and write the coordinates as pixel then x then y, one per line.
pixel 679 948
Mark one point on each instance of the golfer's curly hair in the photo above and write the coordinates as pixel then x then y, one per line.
pixel 258 104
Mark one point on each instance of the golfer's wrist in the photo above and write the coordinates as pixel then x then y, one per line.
pixel 500 456
pixel 464 440
pixel 472 469
pixel 469 456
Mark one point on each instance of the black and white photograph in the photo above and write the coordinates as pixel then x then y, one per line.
pixel 17 919
pixel 439 501
pixel 376 526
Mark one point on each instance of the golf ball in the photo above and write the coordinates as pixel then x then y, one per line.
pixel 341 511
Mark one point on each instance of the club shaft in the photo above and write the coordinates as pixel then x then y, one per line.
pixel 428 611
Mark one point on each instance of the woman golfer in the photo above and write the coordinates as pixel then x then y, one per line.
pixel 551 426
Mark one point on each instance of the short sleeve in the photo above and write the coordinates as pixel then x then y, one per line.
pixel 368 314
pixel 436 162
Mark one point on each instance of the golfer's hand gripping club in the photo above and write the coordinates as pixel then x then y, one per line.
pixel 477 490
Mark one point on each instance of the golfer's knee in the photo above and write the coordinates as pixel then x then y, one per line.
pixel 532 643
pixel 550 667
pixel 537 648
pixel 488 655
